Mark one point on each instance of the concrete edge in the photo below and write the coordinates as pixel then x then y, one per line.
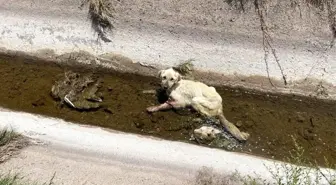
pixel 140 150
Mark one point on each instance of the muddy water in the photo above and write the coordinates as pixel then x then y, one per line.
pixel 270 119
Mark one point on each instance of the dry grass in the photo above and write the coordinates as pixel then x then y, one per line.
pixel 9 180
pixel 186 69
pixel 10 144
pixel 282 174
pixel 206 176
pixel 101 14
pixel 15 179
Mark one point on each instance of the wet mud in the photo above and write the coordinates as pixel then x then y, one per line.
pixel 272 120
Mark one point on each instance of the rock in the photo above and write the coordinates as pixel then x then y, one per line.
pixel 239 124
pixel 214 137
pixel 312 122
pixel 197 120
pixel 38 102
pixel 249 123
pixel 206 133
pixel 308 135
pixel 139 125
pixel 301 117
pixel 108 110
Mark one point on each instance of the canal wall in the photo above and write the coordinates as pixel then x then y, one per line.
pixel 278 46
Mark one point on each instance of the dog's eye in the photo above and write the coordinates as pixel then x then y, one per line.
pixel 164 77
pixel 172 79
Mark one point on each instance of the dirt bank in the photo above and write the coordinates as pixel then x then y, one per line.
pixel 270 119
pixel 40 164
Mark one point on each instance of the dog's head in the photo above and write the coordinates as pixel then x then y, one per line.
pixel 169 77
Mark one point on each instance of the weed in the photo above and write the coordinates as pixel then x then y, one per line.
pixel 282 174
pixel 17 180
pixel 9 180
pixel 10 144
pixel 101 14
pixel 185 68
pixel 6 136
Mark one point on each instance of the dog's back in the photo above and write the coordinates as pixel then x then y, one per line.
pixel 190 89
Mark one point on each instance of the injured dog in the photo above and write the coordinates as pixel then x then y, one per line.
pixel 199 96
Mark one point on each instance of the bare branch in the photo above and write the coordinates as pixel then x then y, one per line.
pixel 267 40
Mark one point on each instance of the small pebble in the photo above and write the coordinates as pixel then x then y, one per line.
pixel 197 120
pixel 149 91
pixel 108 110
pixel 138 124
pixel 239 124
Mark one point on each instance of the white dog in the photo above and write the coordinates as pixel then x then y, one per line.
pixel 202 98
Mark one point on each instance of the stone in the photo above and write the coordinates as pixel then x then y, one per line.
pixel 239 124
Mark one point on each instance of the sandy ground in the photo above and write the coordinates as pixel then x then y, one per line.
pixel 39 163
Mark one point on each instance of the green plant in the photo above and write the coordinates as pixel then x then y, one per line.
pixel 10 143
pixel 6 136
pixel 329 176
pixel 298 174
pixel 10 179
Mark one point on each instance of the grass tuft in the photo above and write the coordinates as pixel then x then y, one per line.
pixel 282 174
pixel 101 14
pixel 17 180
pixel 10 144
pixel 6 136
pixel 10 180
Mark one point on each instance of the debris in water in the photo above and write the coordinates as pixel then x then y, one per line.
pixel 139 124
pixel 149 91
pixel 77 91
pixel 239 124
pixel 108 110
pixel 212 135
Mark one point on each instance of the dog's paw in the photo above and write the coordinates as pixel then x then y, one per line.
pixel 245 136
pixel 152 109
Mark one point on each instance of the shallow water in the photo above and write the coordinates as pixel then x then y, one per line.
pixel 270 119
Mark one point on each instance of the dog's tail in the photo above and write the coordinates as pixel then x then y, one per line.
pixel 230 127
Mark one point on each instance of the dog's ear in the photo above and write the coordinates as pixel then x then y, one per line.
pixel 159 73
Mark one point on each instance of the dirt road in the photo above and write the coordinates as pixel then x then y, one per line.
pixel 40 163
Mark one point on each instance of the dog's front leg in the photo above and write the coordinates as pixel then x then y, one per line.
pixel 175 104
pixel 165 106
